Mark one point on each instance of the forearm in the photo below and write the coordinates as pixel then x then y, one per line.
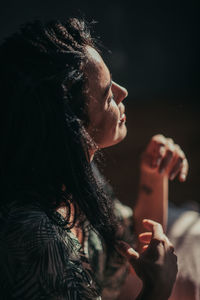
pixel 152 201
pixel 161 160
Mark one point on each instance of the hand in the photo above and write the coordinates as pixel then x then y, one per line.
pixel 163 156
pixel 156 266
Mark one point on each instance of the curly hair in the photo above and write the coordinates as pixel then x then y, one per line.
pixel 44 143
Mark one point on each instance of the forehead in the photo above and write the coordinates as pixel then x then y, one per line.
pixel 96 70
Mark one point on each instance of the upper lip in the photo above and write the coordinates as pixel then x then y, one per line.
pixel 122 111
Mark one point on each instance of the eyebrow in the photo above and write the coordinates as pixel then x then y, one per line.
pixel 107 87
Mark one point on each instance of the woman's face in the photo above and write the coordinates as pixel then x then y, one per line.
pixel 105 108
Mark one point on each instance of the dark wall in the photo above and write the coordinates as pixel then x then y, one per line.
pixel 155 44
pixel 155 54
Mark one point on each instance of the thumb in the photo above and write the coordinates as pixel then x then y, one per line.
pixel 127 251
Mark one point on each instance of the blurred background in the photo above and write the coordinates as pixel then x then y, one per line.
pixel 155 55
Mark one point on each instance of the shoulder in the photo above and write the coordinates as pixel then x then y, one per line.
pixel 25 217
pixel 45 258
pixel 29 231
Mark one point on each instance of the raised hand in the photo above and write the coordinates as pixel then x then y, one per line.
pixel 163 156
pixel 156 265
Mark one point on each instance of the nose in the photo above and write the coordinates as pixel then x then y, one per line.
pixel 120 93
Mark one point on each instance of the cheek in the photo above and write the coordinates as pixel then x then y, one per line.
pixel 105 128
pixel 110 118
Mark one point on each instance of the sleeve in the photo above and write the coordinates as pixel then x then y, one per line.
pixel 47 265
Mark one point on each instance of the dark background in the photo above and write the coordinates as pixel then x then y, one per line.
pixel 155 55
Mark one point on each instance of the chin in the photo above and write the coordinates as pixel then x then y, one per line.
pixel 118 138
pixel 122 136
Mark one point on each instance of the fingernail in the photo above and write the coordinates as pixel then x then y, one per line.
pixel 131 251
pixel 171 177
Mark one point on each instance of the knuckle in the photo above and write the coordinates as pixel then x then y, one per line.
pixel 178 150
pixel 156 224
pixel 159 138
pixel 170 140
pixel 159 227
pixel 158 230
pixel 181 153
pixel 177 147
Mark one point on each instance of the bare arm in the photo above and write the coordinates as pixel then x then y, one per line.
pixel 162 160
pixel 152 202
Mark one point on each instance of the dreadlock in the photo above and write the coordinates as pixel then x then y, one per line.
pixel 44 143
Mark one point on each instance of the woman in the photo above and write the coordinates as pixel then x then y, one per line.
pixel 61 234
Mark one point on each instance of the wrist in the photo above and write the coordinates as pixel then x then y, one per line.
pixel 146 171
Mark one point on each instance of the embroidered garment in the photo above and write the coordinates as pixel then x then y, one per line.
pixel 39 259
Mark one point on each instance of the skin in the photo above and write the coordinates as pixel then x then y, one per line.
pixel 162 160
pixel 105 108
pixel 156 260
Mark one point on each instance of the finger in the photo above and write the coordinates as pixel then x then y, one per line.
pixel 145 237
pixel 159 154
pixel 159 139
pixel 176 163
pixel 154 150
pixel 127 251
pixel 168 244
pixel 170 141
pixel 184 170
pixel 176 169
pixel 155 228
pixel 166 160
pixel 144 248
pixel 152 226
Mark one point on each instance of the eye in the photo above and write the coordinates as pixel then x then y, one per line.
pixel 110 99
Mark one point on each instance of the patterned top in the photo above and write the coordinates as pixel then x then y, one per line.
pixel 41 260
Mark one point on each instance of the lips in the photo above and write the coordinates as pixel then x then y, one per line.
pixel 122 118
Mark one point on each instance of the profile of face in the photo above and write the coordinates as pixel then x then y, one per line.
pixel 105 108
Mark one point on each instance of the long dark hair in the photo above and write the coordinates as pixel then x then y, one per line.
pixel 43 117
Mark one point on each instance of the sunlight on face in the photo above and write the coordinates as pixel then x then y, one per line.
pixel 105 108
